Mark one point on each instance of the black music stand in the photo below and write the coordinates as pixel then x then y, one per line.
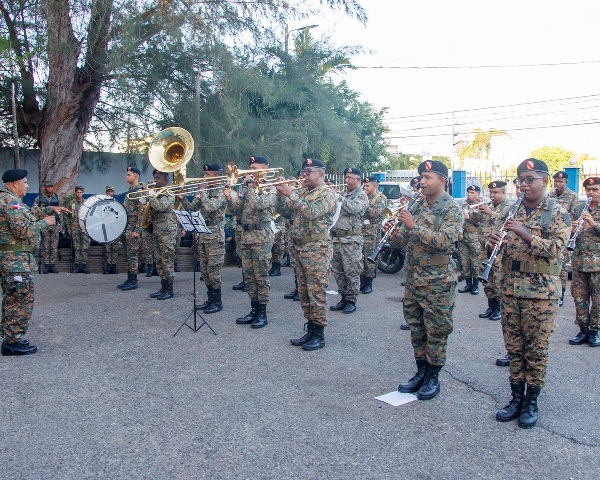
pixel 193 222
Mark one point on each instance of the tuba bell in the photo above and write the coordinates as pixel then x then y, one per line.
pixel 171 149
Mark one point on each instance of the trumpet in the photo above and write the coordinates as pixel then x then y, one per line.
pixel 471 208
pixel 573 240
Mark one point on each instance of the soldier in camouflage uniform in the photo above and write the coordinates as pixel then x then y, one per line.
pixel 50 236
pixel 211 246
pixel 585 286
pixel 569 200
pixel 371 230
pixel 133 229
pixel 468 248
pixel 81 242
pixel 237 235
pixel 278 247
pixel 110 248
pixel 19 236
pixel 255 211
pixel 428 233
pixel 532 255
pixel 164 234
pixel 293 295
pixel 347 262
pixel 312 212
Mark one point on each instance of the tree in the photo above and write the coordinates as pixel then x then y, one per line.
pixel 557 158
pixel 480 144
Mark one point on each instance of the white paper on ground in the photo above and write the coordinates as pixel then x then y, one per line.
pixel 396 398
pixel 331 292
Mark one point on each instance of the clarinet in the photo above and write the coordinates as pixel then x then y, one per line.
pixel 373 257
pixel 573 240
pixel 503 232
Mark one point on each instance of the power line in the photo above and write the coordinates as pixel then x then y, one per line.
pixel 459 67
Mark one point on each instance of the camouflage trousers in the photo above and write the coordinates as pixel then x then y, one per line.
pixel 428 312
pixel 165 241
pixel 290 247
pixel 527 324
pixel 470 258
pixel 369 245
pixel 49 246
pixel 147 248
pixel 110 252
pixel 81 244
pixel 313 262
pixel 492 289
pixel 585 289
pixel 347 265
pixel 256 262
pixel 278 250
pixel 564 273
pixel 211 255
pixel 17 305
pixel 132 251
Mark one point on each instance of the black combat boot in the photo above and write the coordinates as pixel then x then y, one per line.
pixel 155 270
pixel 53 268
pixel 368 288
pixel 106 269
pixel 340 305
pixel 84 268
pixel 216 304
pixel 21 347
pixel 209 292
pixel 47 269
pixel 349 308
pixel 275 269
pixel 529 411
pixel 488 312
pixel 474 286
pixel 362 282
pixel 261 317
pixel 503 361
pixel 289 296
pixel 239 286
pixel 582 337
pixel 309 327
pixel 168 293
pixel 175 267
pixel 497 313
pixel 163 286
pixel 142 268
pixel 561 300
pixel 113 269
pixel 251 316
pixel 126 282
pixel 416 381
pixel 77 268
pixel 404 326
pixel 317 340
pixel 296 297
pixel 513 409
pixel 149 270
pixel 431 383
pixel 133 284
pixel 594 338
pixel 468 285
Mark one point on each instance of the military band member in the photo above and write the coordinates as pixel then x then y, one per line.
pixel 532 255
pixel 50 235
pixel 371 230
pixel 428 233
pixel 110 248
pixel 312 213
pixel 347 262
pixel 133 229
pixel 468 248
pixel 291 249
pixel 255 212
pixel 585 261
pixel 19 235
pixel 211 246
pixel 415 185
pixel 569 200
pixel 81 242
pixel 164 234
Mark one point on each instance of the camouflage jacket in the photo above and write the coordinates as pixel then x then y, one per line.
pixel 586 256
pixel 373 217
pixel 161 211
pixel 311 212
pixel 534 271
pixel 43 201
pixel 568 200
pixel 74 206
pixel 354 206
pixel 254 211
pixel 471 224
pixel 491 224
pixel 19 226
pixel 425 244
pixel 134 210
pixel 212 206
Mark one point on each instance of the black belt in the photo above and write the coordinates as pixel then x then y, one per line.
pixel 526 267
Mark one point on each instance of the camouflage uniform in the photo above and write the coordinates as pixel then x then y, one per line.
pixel 347 262
pixel 164 233
pixel 211 247
pixel 430 276
pixel 134 217
pixel 585 286
pixel 278 250
pixel 255 212
pixel 469 248
pixel 312 213
pixel 568 200
pixel 50 236
pixel 530 291
pixel 19 235
pixel 81 242
pixel 147 248
pixel 372 230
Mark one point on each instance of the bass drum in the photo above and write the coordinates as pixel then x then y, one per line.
pixel 102 218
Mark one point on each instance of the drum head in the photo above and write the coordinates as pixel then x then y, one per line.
pixel 102 218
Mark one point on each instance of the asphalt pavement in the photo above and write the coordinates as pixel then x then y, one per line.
pixel 113 394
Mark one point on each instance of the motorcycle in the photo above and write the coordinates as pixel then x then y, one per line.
pixel 391 260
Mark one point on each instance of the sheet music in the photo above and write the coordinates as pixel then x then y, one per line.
pixel 192 221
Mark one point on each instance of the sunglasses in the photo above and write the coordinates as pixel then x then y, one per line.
pixel 526 180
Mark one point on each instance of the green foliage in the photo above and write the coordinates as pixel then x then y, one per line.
pixel 557 158
pixel 479 144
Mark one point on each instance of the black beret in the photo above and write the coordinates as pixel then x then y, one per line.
pixel 212 167
pixel 354 171
pixel 560 175
pixel 372 179
pixel 14 175
pixel 591 181
pixel 433 166
pixel 532 165
pixel 313 162
pixel 498 184
pixel 155 171
pixel 263 160
pixel 515 181
pixel 473 188
pixel 415 181
pixel 134 169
